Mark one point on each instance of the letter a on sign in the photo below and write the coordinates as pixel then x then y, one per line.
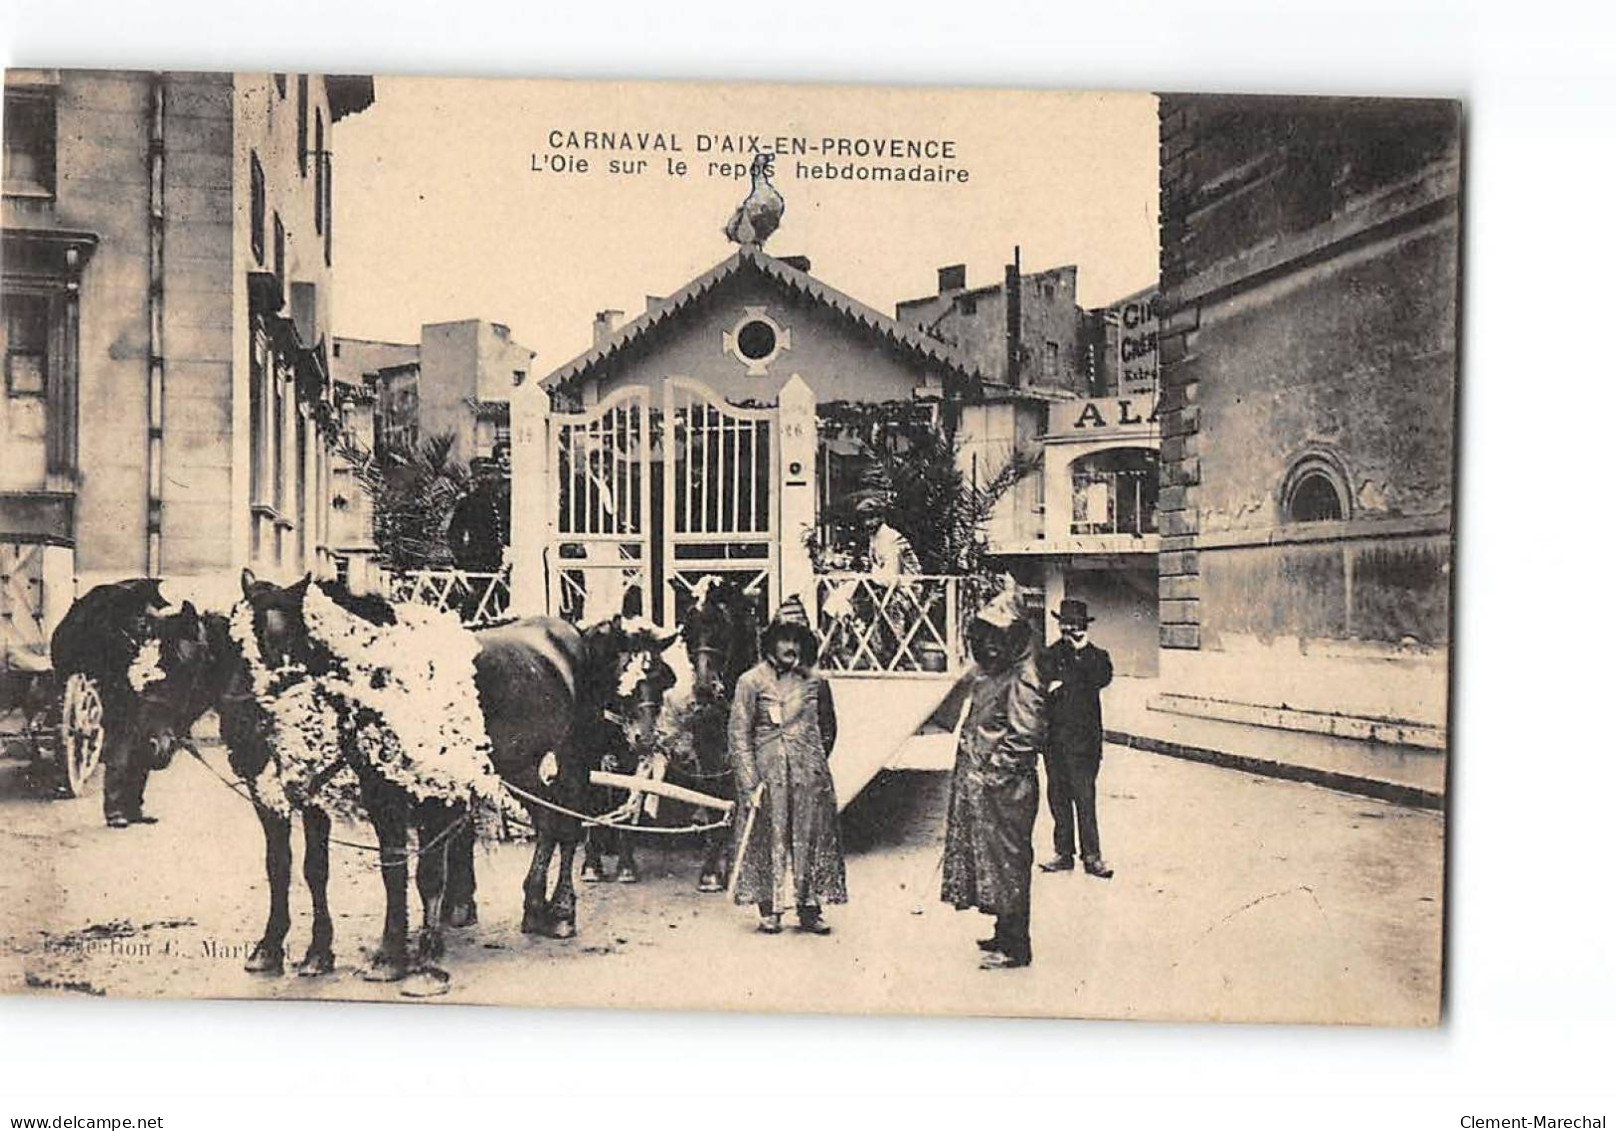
pixel 1091 415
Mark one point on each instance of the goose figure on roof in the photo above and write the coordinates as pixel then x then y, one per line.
pixel 759 214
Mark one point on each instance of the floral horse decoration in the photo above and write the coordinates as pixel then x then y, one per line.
pixel 343 702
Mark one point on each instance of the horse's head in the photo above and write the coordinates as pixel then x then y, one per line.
pixel 720 631
pixel 625 666
pixel 645 679
pixel 277 612
pixel 172 676
pixel 181 641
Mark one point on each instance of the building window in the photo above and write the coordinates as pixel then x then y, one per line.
pixel 257 206
pixel 300 488
pixel 280 392
pixel 30 140
pixel 303 124
pixel 325 159
pixel 1115 492
pixel 280 255
pixel 1051 358
pixel 756 340
pixel 1315 490
pixel 319 173
pixel 258 394
pixel 1314 499
pixel 967 305
pixel 27 325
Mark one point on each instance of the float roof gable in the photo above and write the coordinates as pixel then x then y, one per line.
pixel 640 332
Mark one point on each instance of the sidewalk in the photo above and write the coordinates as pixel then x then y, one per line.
pixel 1406 775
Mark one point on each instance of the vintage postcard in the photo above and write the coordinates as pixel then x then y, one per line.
pixel 758 547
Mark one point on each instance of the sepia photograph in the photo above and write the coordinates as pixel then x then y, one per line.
pixel 727 546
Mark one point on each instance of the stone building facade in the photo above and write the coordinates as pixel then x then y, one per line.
pixel 455 382
pixel 1309 359
pixel 1080 394
pixel 1025 331
pixel 167 292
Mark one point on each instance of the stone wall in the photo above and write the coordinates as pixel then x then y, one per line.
pixel 1309 317
pixel 103 186
pixel 198 325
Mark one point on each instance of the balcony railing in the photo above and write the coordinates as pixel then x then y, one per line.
pixel 477 598
pixel 881 624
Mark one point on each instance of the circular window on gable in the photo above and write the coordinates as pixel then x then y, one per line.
pixel 1316 491
pixel 756 340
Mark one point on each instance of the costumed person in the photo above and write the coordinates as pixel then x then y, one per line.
pixel 891 555
pixel 891 559
pixel 479 532
pixel 987 857
pixel 782 726
pixel 1074 669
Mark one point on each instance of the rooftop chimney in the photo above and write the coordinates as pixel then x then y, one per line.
pixel 951 278
pixel 1012 320
pixel 606 325
pixel 653 301
pixel 800 262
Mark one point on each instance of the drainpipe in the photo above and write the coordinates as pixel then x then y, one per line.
pixel 155 232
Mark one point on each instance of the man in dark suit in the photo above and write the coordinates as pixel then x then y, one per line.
pixel 1074 669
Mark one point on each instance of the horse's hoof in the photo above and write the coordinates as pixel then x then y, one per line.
pixel 535 923
pixel 463 915
pixel 386 969
pixel 627 876
pixel 266 960
pixel 562 929
pixel 709 884
pixel 315 963
pixel 427 981
pixel 591 874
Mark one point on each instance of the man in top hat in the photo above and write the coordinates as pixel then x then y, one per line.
pixel 987 853
pixel 1074 669
pixel 782 726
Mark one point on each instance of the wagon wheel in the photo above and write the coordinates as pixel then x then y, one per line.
pixel 82 735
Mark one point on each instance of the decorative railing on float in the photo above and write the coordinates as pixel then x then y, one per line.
pixel 877 625
pixel 477 598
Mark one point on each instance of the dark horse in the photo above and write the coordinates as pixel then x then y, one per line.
pixel 539 683
pixel 618 740
pixel 283 639
pixel 720 630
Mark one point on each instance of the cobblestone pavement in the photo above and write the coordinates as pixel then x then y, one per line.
pixel 1235 897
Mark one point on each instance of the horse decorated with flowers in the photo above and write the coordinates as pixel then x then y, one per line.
pixel 331 702
pixel 686 743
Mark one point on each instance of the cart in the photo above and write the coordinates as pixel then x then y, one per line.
pixel 52 719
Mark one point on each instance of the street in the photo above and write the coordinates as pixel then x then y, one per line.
pixel 1235 897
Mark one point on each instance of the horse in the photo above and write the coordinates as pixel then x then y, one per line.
pixel 621 740
pixel 540 682
pixel 282 639
pixel 720 633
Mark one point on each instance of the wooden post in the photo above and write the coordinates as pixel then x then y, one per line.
pixel 799 450
pixel 533 500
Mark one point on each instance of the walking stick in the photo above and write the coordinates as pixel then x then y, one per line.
pixel 746 838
